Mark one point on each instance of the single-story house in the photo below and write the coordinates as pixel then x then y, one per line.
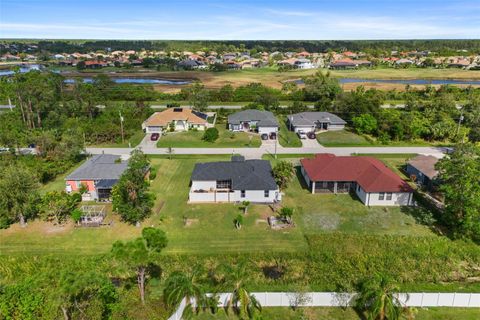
pixel 315 121
pixel 261 121
pixel 99 174
pixel 234 181
pixel 178 119
pixel 421 169
pixel 373 182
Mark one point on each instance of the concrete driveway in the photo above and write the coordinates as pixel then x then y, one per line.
pixel 147 143
pixel 310 143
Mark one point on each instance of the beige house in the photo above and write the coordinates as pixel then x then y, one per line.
pixel 178 119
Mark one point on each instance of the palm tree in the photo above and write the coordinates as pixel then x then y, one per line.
pixel 244 303
pixel 378 297
pixel 180 285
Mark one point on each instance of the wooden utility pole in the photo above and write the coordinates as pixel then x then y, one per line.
pixel 121 126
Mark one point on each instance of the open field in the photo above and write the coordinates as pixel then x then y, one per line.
pixel 346 314
pixel 193 139
pixel 347 138
pixel 270 76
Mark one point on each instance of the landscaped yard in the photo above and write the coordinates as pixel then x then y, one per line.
pixel 193 139
pixel 287 138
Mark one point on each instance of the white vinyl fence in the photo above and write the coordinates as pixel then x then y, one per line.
pixel 339 299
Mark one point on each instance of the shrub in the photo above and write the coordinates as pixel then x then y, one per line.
pixel 76 215
pixel 210 135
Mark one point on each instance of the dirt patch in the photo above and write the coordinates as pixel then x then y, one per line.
pixel 260 221
pixel 190 222
pixel 54 229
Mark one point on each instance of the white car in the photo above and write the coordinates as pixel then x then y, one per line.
pixel 301 134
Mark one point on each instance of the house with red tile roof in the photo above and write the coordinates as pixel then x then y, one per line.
pixel 370 179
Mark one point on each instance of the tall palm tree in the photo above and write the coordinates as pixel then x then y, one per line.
pixel 378 297
pixel 241 300
pixel 180 285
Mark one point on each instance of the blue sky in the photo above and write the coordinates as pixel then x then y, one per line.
pixel 239 20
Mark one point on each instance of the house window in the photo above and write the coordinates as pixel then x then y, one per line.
pixel 389 196
pixel 242 193
pixel 381 196
pixel 266 193
pixel 224 184
pixel 358 187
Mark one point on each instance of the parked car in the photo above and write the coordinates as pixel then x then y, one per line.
pixel 264 136
pixel 301 134
pixel 311 135
pixel 154 136
pixel 273 135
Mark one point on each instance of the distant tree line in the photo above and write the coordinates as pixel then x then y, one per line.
pixel 445 47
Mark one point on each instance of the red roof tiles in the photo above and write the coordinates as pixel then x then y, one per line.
pixel 370 173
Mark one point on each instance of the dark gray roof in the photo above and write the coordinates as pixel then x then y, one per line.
pixel 310 118
pixel 106 183
pixel 245 175
pixel 99 167
pixel 425 164
pixel 264 118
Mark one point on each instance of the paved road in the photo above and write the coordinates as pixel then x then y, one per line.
pixel 270 149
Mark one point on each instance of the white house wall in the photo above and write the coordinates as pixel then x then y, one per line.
pixel 336 127
pixel 304 128
pixel 203 185
pixel 398 199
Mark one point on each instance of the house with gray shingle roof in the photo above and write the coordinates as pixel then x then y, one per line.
pixel 98 174
pixel 315 121
pixel 421 169
pixel 234 181
pixel 253 120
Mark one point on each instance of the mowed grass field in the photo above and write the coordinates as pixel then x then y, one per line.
pixel 286 137
pixel 347 138
pixel 209 228
pixel 345 314
pixel 193 139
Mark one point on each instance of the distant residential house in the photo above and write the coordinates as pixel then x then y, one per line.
pixel 229 57
pixel 260 121
pixel 303 64
pixel 191 65
pixel 303 54
pixel 421 169
pixel 459 63
pixel 95 64
pixel 98 174
pixel 371 180
pixel 234 181
pixel 404 62
pixel 315 121
pixel 343 64
pixel 349 64
pixel 180 119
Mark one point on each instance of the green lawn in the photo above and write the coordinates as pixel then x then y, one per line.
pixel 286 137
pixel 210 226
pixel 331 313
pixel 346 138
pixel 342 138
pixel 193 139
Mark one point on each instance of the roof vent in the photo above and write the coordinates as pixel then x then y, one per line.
pixel 177 109
pixel 238 158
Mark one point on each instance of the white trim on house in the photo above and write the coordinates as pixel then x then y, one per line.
pixel 370 198
pixel 206 191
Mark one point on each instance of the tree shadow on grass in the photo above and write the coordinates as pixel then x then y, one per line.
pixel 428 218
pixel 301 179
